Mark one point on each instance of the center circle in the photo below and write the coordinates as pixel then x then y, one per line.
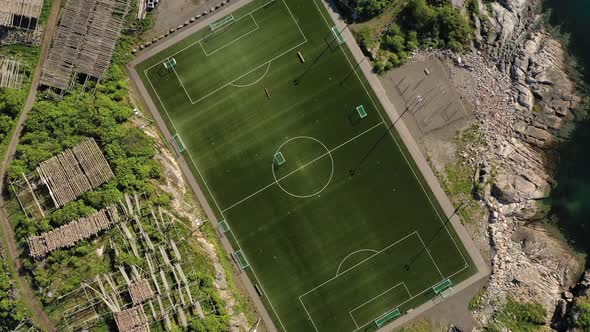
pixel 306 169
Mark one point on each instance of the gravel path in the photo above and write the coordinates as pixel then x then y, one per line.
pixel 24 290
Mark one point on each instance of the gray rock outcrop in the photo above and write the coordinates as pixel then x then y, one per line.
pixel 524 104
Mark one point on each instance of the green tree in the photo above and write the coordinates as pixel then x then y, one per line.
pixel 367 9
pixel 583 320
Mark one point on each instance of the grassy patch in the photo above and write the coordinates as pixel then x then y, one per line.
pixel 421 325
pixel 518 317
pixel 475 301
pixel 371 29
pixel 458 178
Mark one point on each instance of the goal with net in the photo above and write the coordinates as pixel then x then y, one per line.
pixel 178 142
pixel 361 111
pixel 242 259
pixel 279 159
pixel 170 63
pixel 222 22
pixel 338 34
pixel 387 317
pixel 443 286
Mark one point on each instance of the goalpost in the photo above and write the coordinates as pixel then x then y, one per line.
pixel 179 143
pixel 222 22
pixel 338 35
pixel 170 63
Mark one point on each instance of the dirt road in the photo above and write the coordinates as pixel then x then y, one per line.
pixel 23 290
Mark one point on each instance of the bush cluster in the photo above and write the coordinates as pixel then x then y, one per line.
pixel 422 23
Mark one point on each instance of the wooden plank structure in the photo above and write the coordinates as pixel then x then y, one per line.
pixel 68 235
pixel 11 73
pixel 132 320
pixel 20 13
pixel 85 40
pixel 140 291
pixel 74 172
pixel 165 285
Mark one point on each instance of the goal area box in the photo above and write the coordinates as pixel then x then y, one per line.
pixel 222 22
pixel 178 142
pixel 279 159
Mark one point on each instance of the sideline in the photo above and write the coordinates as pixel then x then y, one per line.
pixel 410 144
pixel 423 167
pixel 149 103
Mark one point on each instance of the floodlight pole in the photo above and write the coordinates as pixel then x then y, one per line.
pixel 358 64
pixel 444 225
pixel 296 81
pixel 353 171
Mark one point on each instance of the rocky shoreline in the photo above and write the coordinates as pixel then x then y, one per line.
pixel 525 104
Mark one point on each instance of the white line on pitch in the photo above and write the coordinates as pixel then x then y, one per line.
pixel 303 166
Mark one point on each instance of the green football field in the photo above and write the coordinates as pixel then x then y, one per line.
pixel 325 211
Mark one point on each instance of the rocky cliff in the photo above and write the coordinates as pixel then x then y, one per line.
pixel 525 104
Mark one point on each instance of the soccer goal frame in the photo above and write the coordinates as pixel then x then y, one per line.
pixel 361 111
pixel 223 226
pixel 179 143
pixel 442 286
pixel 169 63
pixel 387 317
pixel 279 159
pixel 338 35
pixel 229 19
pixel 242 259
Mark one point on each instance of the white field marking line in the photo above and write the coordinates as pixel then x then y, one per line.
pixel 352 317
pixel 376 297
pixel 228 84
pixel 224 86
pixel 233 19
pixel 303 166
pixel 294 20
pixel 359 263
pixel 352 253
pixel 233 41
pixel 276 57
pixel 354 266
pixel 331 168
pixel 258 80
pixel 407 290
pixel 216 204
pixel 396 142
pixel 433 262
pixel 419 294
pixel 207 36
pixel 308 315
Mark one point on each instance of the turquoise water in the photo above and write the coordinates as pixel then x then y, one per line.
pixel 570 201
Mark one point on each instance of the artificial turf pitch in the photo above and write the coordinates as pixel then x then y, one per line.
pixel 343 231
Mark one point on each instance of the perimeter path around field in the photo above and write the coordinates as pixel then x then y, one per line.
pixel 146 54
pixel 401 128
pixel 421 163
